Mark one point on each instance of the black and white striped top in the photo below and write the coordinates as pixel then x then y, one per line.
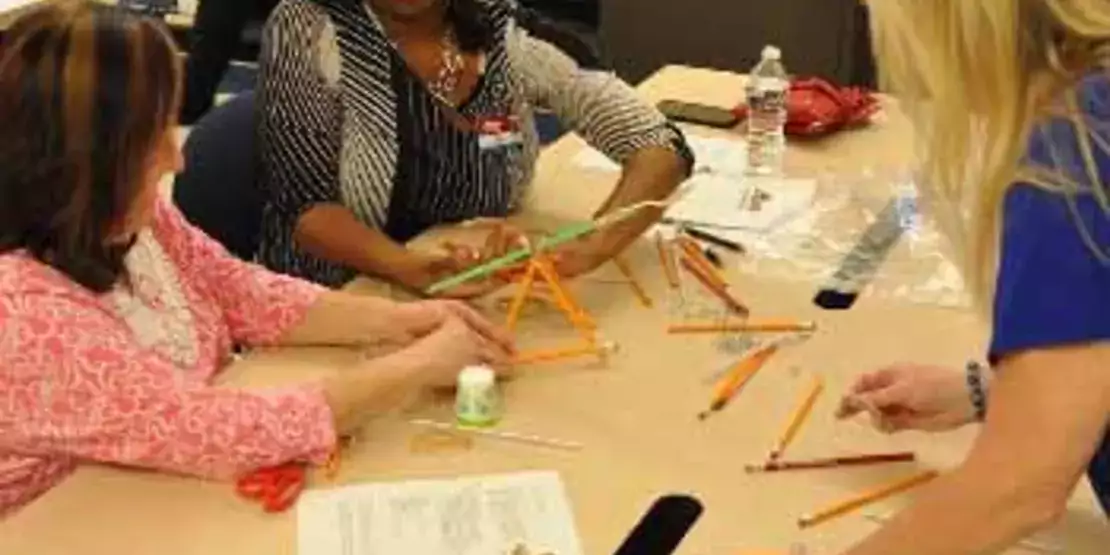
pixel 342 119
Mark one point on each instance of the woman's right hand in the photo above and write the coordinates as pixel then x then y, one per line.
pixel 911 397
pixel 456 344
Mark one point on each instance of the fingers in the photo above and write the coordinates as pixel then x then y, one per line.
pixel 486 329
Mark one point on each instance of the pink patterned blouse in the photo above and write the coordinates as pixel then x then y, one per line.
pixel 125 377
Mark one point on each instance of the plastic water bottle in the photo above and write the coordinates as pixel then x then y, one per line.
pixel 905 204
pixel 766 91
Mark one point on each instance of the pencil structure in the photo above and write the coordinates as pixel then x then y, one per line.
pixel 577 316
pixel 866 498
pixel 521 297
pixel 710 285
pixel 499 435
pixel 798 418
pixel 554 355
pixel 749 326
pixel 666 260
pixel 831 462
pixel 735 379
pixel 637 287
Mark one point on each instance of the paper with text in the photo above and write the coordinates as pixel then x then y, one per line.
pixel 486 515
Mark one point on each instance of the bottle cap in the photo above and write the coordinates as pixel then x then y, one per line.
pixel 477 376
pixel 771 52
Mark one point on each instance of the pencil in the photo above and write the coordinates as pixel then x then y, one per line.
pixel 734 380
pixel 494 434
pixel 666 260
pixel 578 317
pixel 832 462
pixel 798 418
pixel 637 287
pixel 720 292
pixel 749 326
pixel 554 355
pixel 693 252
pixel 520 298
pixel 866 498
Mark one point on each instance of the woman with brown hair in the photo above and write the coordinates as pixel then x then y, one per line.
pixel 116 314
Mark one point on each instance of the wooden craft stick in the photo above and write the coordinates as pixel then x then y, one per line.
pixel 798 418
pixel 500 435
pixel 866 498
pixel 731 302
pixel 693 252
pixel 520 298
pixel 832 462
pixel 749 326
pixel 666 260
pixel 637 287
pixel 735 379
pixel 553 355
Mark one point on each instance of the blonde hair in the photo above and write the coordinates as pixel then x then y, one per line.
pixel 978 77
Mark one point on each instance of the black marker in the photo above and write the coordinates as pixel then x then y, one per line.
pixel 663 528
pixel 714 239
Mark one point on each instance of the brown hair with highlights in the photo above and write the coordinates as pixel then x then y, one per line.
pixel 87 92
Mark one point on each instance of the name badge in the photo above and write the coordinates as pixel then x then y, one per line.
pixel 498 132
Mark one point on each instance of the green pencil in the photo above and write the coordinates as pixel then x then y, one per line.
pixel 562 236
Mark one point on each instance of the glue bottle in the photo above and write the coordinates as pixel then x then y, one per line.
pixel 478 400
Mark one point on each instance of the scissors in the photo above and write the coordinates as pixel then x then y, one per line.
pixel 277 488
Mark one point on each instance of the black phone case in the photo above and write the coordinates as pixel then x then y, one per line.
pixel 663 528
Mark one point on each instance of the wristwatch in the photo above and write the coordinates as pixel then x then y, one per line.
pixel 977 389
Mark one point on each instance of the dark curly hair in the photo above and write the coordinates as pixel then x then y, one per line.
pixel 86 93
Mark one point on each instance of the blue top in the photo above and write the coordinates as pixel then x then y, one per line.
pixel 1053 288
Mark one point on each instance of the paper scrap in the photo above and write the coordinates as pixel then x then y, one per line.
pixel 720 202
pixel 486 515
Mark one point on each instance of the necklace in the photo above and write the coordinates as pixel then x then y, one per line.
pixel 450 72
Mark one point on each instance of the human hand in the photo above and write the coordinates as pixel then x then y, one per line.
pixel 581 257
pixel 911 397
pixel 422 318
pixel 442 354
pixel 456 258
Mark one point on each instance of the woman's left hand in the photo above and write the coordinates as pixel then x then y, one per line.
pixel 422 318
pixel 581 257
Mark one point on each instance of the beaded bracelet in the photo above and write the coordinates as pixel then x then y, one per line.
pixel 976 389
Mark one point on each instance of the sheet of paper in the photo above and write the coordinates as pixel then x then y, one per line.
pixel 713 155
pixel 719 201
pixel 486 515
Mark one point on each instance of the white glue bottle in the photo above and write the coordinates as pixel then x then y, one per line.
pixel 478 400
pixel 767 86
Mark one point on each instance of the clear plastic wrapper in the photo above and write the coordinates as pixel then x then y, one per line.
pixel 811 245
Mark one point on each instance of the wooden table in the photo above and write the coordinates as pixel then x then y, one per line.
pixel 636 417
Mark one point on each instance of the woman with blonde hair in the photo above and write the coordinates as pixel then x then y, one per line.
pixel 116 315
pixel 1012 102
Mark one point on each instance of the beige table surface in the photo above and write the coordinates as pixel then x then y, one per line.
pixel 636 418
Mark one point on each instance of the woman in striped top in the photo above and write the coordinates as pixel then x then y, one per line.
pixel 382 118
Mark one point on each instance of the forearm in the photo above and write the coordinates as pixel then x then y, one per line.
pixel 964 513
pixel 346 319
pixel 374 388
pixel 332 232
pixel 652 173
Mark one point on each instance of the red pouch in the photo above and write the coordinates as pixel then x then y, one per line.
pixel 816 108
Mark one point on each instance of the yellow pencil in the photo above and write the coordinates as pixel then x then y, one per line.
pixel 521 297
pixel 666 259
pixel 637 287
pixel 578 317
pixel 866 498
pixel 798 418
pixel 693 252
pixel 554 355
pixel 749 326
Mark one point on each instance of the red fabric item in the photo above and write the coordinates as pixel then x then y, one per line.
pixel 816 108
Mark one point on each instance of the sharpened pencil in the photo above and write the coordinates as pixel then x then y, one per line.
pixel 832 462
pixel 637 287
pixel 798 418
pixel 866 498
pixel 666 260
